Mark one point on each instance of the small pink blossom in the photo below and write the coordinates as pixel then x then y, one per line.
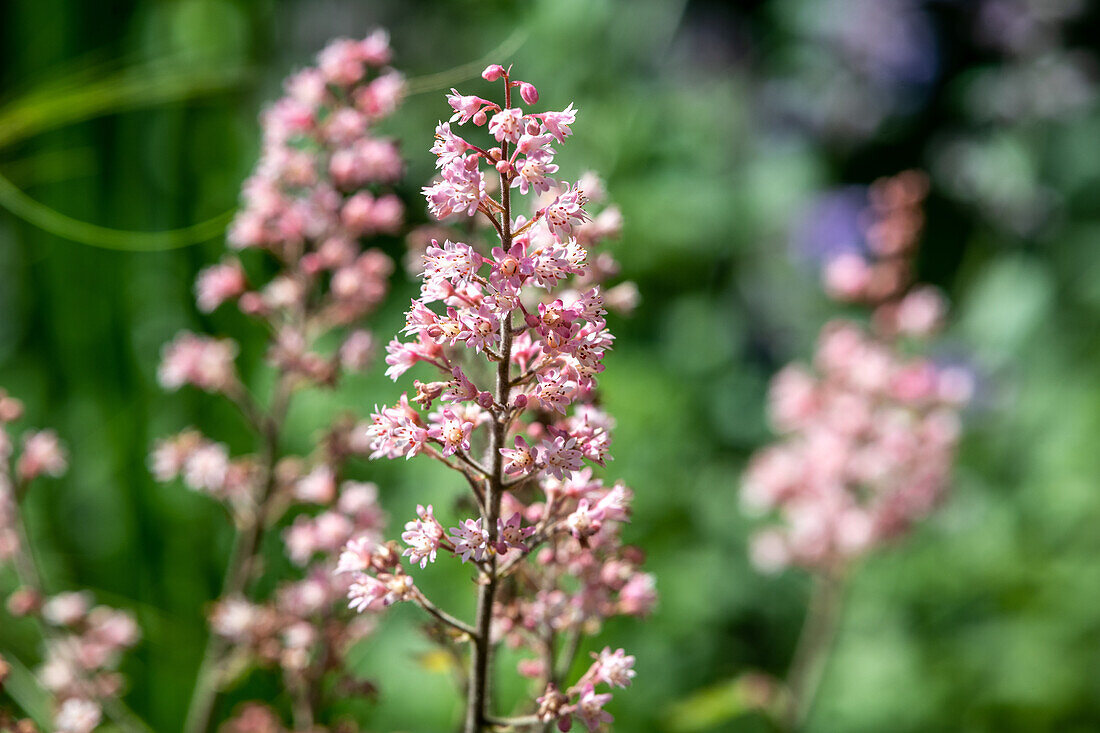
pixel 520 459
pixel 316 487
pixel 566 212
pixel 470 540
pixel 452 430
pixel 557 123
pixel 42 454
pixel 77 715
pixel 560 456
pixel 423 535
pixel 507 125
pixel 511 534
pixel 590 709
pixel 614 668
pixel 465 107
pixel 201 361
pixel 218 283
pixel 356 556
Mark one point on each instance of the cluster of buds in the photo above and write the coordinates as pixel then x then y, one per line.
pixel 869 431
pixel 517 342
pixel 83 643
pixel 319 189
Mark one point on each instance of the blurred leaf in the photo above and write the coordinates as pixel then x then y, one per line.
pixel 24 688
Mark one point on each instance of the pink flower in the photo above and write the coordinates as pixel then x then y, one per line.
pixel 535 171
pixel 393 433
pixel 234 618
pixel 470 540
pixel 511 534
pixel 66 609
pixel 357 350
pixel 557 123
pixel 423 535
pixel 219 283
pixel 356 556
pixel 375 48
pixel 381 97
pixel 316 487
pixel 77 715
pixel 465 107
pixel 492 72
pixel 300 539
pixel 614 668
pixel 200 361
pixel 560 456
pixel 520 459
pixel 368 592
pixel 479 328
pixel 206 468
pixel 528 92
pixel 507 125
pixel 42 454
pixel 555 389
pixel 448 145
pixel 847 277
pixel 566 212
pixel 921 312
pixel 639 595
pixel 585 521
pixel 510 268
pixel 590 709
pixel 455 262
pixel 461 189
pixel 342 62
pixel 452 430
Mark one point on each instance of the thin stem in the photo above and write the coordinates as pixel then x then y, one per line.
pixel 242 560
pixel 513 723
pixel 477 700
pixel 28 574
pixel 443 616
pixel 301 704
pixel 814 646
pixel 568 656
pixel 493 219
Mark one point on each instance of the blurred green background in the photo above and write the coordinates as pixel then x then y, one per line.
pixel 715 126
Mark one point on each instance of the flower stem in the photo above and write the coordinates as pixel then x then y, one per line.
pixel 815 644
pixel 477 694
pixel 29 575
pixel 242 561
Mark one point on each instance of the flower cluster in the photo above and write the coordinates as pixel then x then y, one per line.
pixel 80 661
pixel 869 431
pixel 301 629
pixel 318 191
pixel 83 642
pixel 516 333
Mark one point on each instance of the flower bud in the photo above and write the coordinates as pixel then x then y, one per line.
pixel 492 72
pixel 252 304
pixel 528 92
